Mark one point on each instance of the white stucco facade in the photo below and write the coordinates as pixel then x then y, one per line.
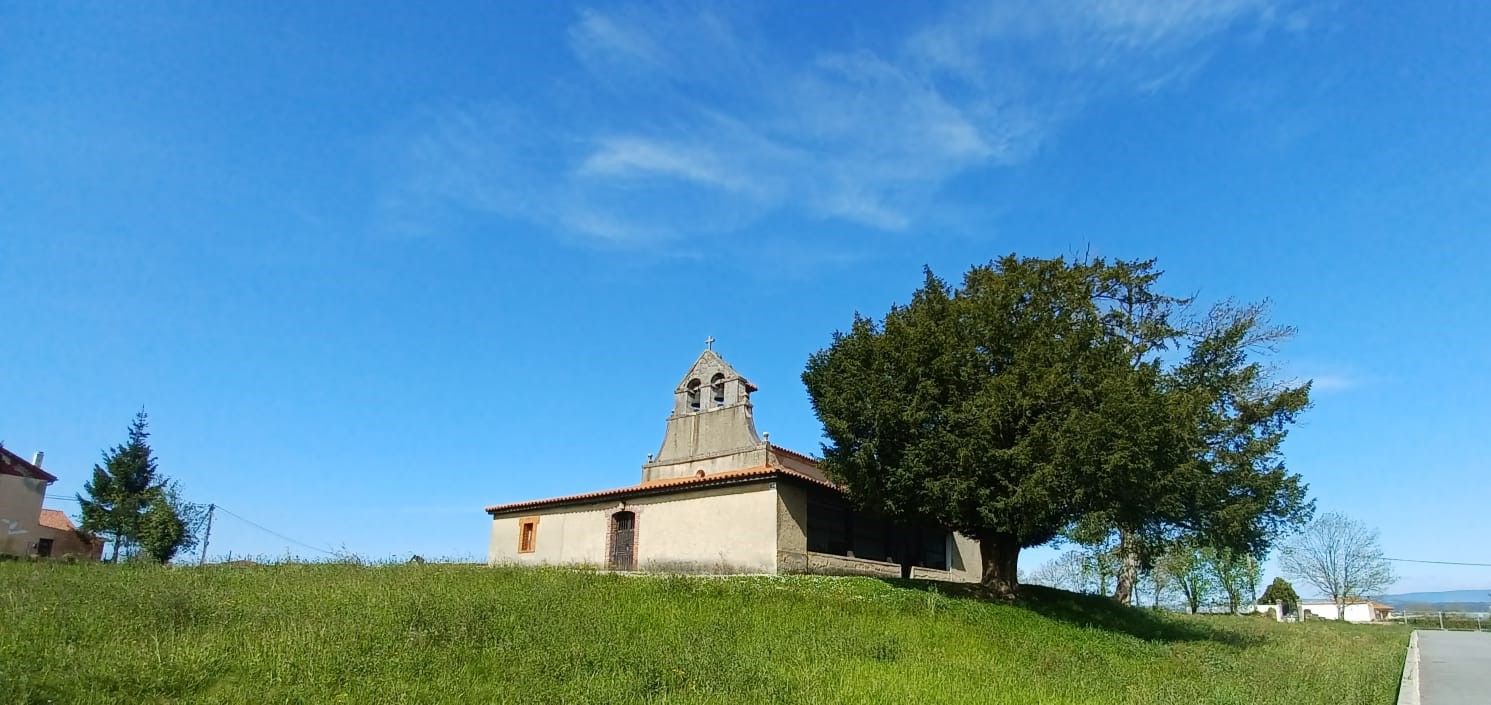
pixel 730 529
pixel 20 506
pixel 1356 612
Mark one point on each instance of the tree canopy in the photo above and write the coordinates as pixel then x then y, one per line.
pixel 131 503
pixel 121 488
pixel 1039 394
pixel 1281 592
pixel 1339 556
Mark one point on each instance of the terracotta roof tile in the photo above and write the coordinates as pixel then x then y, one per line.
pixel 55 519
pixel 789 451
pixel 671 484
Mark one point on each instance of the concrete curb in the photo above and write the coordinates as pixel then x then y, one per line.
pixel 1408 686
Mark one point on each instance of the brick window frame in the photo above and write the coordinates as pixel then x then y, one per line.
pixel 527 534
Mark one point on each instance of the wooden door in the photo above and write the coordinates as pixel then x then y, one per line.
pixel 623 541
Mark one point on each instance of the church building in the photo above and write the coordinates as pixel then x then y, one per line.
pixel 719 498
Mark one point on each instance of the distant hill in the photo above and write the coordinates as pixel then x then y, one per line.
pixel 1446 599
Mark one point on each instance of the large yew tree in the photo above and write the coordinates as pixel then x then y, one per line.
pixel 1037 396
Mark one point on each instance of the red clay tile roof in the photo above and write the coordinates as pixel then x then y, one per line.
pixel 54 519
pixel 677 484
pixel 12 464
pixel 799 456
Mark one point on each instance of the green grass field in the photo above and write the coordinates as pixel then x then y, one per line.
pixel 466 634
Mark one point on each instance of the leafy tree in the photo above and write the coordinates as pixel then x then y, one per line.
pixel 975 408
pixel 1235 575
pixel 1215 469
pixel 1042 396
pixel 1067 571
pixel 1186 569
pixel 1341 557
pixel 1161 586
pixel 169 524
pixel 1281 592
pixel 121 489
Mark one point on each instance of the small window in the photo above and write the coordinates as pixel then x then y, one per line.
pixel 43 548
pixel 717 387
pixel 693 395
pixel 527 535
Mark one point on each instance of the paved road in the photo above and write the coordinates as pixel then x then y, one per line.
pixel 1454 668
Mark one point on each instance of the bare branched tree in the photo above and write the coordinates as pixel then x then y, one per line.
pixel 1340 557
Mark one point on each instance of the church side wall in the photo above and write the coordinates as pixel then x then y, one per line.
pixel 715 530
pixel 792 528
pixel 963 560
pixel 724 530
pixel 793 555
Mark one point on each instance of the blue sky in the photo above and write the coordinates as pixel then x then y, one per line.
pixel 370 269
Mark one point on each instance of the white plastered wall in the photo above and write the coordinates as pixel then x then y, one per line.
pixel 20 511
pixel 729 529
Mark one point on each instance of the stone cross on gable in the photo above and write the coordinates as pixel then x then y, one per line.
pixel 709 343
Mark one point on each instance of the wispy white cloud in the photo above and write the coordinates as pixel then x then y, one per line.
pixel 1327 378
pixel 1329 383
pixel 700 126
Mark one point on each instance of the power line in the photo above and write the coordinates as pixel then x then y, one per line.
pixel 268 530
pixel 243 519
pixel 1416 560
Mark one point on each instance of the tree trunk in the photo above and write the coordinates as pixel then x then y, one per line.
pixel 1001 557
pixel 114 555
pixel 1128 568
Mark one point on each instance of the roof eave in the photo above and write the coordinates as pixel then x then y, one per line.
pixel 643 491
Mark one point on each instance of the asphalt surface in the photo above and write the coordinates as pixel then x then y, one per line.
pixel 1454 668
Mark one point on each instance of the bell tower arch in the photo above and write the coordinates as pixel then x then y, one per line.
pixel 712 428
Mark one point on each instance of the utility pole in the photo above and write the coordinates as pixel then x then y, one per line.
pixel 207 535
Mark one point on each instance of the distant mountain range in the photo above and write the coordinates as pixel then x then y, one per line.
pixel 1461 600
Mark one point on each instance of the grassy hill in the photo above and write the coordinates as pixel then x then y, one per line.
pixel 466 634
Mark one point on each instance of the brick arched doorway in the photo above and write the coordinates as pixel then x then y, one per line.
pixel 623 554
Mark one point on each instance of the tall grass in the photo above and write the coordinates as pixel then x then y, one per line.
pixel 466 634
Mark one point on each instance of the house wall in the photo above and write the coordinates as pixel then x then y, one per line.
pixel 66 542
pixel 715 530
pixel 20 510
pixel 1358 612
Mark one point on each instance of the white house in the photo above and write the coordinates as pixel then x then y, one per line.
pixel 1357 610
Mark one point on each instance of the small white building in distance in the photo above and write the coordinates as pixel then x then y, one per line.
pixel 1357 610
pixel 719 498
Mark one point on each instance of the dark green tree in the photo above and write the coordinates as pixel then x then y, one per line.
pixel 1047 397
pixel 168 525
pixel 976 408
pixel 121 489
pixel 1204 459
pixel 1281 592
